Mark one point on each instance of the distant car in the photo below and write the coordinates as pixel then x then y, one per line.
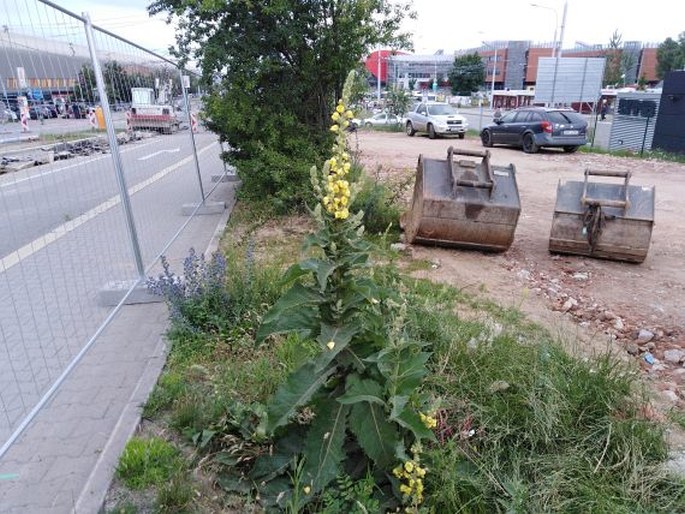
pixel 382 119
pixel 436 119
pixel 532 128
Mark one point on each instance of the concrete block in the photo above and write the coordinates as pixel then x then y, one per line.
pixel 205 208
pixel 226 177
pixel 112 293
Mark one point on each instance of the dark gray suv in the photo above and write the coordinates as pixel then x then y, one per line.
pixel 532 128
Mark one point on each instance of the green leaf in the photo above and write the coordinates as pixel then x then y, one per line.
pixel 403 367
pixel 411 421
pixel 323 451
pixel 297 310
pixel 297 391
pixel 341 336
pixel 377 437
pixel 269 466
pixel 323 270
pixel 398 404
pixel 358 390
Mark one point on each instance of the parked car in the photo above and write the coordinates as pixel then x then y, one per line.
pixel 532 128
pixel 382 119
pixel 436 119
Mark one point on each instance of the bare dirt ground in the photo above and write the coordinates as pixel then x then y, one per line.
pixel 636 311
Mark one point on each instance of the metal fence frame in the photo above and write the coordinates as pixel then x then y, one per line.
pixel 141 270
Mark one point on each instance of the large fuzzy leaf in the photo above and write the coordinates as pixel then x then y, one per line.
pixel 297 391
pixel 323 450
pixel 411 421
pixel 358 390
pixel 377 437
pixel 321 268
pixel 297 310
pixel 341 336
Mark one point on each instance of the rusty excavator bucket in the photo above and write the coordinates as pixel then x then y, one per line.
pixel 610 221
pixel 463 203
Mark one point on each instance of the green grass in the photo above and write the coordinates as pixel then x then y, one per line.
pixel 524 426
pixel 148 462
pixel 647 154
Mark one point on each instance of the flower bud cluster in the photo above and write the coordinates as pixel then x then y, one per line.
pixel 337 198
pixel 411 474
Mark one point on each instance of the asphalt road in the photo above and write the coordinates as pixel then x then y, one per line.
pixel 39 199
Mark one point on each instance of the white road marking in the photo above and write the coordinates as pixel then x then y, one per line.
pixel 15 257
pixel 155 154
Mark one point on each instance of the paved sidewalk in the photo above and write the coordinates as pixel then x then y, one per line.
pixel 64 461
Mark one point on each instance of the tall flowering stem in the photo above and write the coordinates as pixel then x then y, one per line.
pixel 337 189
pixel 363 386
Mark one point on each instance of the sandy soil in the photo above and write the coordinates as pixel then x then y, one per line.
pixel 637 311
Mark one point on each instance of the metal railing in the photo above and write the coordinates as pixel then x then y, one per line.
pixel 100 172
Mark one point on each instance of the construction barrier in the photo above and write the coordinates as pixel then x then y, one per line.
pixel 25 121
pixel 193 122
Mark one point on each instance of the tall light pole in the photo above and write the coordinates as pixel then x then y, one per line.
pixel 494 72
pixel 558 56
pixel 379 72
pixel 556 25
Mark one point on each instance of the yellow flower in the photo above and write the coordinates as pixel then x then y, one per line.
pixel 345 124
pixel 349 115
pixel 405 489
pixel 428 421
pixel 347 166
pixel 342 214
pixel 334 128
pixel 331 345
pixel 409 466
pixel 335 116
pixel 326 200
pixel 307 489
pixel 340 108
pixel 397 471
pixel 343 201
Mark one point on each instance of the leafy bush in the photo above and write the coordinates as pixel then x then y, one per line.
pixel 379 205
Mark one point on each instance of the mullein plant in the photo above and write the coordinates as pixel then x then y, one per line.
pixel 357 405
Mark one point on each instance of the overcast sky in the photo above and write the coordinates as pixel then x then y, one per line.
pixel 454 24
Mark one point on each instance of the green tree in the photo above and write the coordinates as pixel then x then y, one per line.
pixel 273 70
pixel 117 82
pixel 399 101
pixel 467 74
pixel 412 84
pixel 670 55
pixel 612 70
pixel 85 86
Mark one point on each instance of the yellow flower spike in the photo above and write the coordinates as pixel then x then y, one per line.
pixel 330 345
pixel 307 489
pixel 344 214
pixel 406 490
pixel 345 156
pixel 333 162
pixel 343 201
pixel 409 466
pixel 347 166
pixel 334 128
pixel 335 116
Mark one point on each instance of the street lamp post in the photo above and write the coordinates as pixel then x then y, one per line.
pixel 494 72
pixel 558 56
pixel 492 85
pixel 556 25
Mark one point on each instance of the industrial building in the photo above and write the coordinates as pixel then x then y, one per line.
pixel 512 64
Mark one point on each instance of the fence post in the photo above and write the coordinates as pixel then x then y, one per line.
pixel 192 135
pixel 114 147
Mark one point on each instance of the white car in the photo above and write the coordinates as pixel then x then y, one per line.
pixel 436 119
pixel 382 119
